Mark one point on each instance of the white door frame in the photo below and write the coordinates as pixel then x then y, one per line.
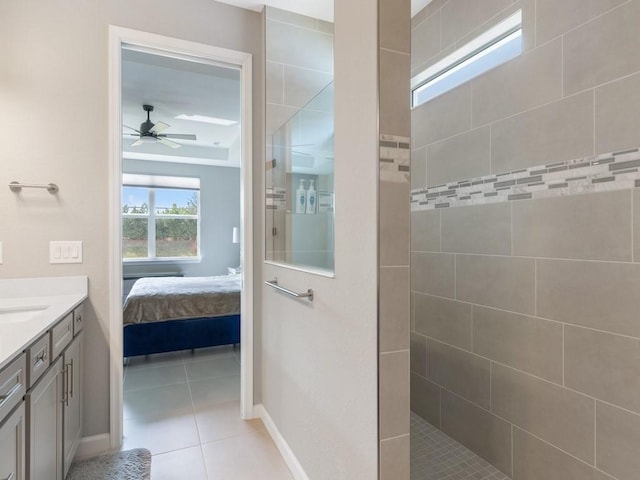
pixel 119 36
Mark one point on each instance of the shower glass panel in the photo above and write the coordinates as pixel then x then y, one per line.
pixel 300 188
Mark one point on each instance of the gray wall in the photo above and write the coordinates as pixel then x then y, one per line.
pixel 320 359
pixel 54 81
pixel 525 334
pixel 220 212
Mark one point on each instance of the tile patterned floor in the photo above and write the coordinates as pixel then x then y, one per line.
pixel 436 456
pixel 185 408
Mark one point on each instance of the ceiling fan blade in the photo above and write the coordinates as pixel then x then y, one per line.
pixel 181 136
pixel 137 143
pixel 168 143
pixel 131 134
pixel 159 127
pixel 131 128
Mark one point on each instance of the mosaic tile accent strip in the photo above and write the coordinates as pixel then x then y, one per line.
pixel 612 171
pixel 395 158
pixel 436 456
pixel 276 198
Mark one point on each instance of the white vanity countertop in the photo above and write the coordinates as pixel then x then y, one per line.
pixel 30 306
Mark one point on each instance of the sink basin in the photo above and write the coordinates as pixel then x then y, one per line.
pixel 20 314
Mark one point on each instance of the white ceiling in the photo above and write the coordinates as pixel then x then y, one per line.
pixel 176 87
pixel 322 9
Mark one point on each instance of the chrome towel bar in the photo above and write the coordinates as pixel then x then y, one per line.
pixel 17 186
pixel 274 283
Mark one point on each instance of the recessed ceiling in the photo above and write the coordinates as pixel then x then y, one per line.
pixel 178 87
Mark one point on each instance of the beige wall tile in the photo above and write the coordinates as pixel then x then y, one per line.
pixel 445 320
pixel 274 83
pixel 555 18
pixel 460 372
pixel 593 226
pixel 425 399
pixel 301 85
pixel 395 113
pixel 618 441
pixel 501 282
pixel 464 156
pixel 395 25
pixel 636 225
pixel 509 89
pixel 293 45
pixel 553 413
pixel 419 168
pixel 526 343
pixel 617 115
pixel 477 229
pixel 602 50
pixel 394 394
pixel 443 116
pixel 559 131
pixel 395 459
pixel 433 273
pixel 605 296
pixel 425 231
pixel 394 308
pixel 277 115
pixel 425 41
pixel 478 430
pixel 286 16
pixel 534 459
pixel 460 17
pixel 603 365
pixel 419 354
pixel 395 223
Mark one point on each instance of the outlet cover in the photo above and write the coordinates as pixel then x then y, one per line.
pixel 65 252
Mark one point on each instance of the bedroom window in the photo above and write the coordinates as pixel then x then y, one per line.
pixel 494 47
pixel 160 218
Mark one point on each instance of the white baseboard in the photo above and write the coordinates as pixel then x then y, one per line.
pixel 93 445
pixel 286 452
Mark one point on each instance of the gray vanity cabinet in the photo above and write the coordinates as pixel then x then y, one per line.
pixel 72 401
pixel 12 439
pixel 44 412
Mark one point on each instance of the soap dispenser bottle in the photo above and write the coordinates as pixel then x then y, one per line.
pixel 311 198
pixel 301 198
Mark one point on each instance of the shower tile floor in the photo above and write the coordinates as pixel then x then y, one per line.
pixel 436 456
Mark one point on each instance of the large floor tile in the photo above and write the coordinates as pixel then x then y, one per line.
pixel 246 457
pixel 166 401
pixel 209 352
pixel 155 359
pixel 213 368
pixel 149 376
pixel 161 434
pixel 222 420
pixel 215 390
pixel 184 463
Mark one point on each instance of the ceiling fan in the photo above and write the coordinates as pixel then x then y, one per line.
pixel 150 132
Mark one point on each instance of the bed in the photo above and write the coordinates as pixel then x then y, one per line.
pixel 165 314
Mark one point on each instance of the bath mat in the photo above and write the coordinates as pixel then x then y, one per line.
pixel 128 465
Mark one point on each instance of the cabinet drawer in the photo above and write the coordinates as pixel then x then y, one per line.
pixel 38 359
pixel 61 335
pixel 13 381
pixel 78 320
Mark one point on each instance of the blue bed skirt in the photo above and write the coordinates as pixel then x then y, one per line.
pixel 172 335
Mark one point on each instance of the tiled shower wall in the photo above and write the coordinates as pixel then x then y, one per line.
pixel 525 332
pixel 394 225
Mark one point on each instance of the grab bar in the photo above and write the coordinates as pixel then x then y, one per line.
pixel 17 186
pixel 274 283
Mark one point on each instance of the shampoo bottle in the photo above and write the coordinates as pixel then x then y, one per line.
pixel 301 198
pixel 311 198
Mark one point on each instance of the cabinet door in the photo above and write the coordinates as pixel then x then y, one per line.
pixel 12 449
pixel 73 406
pixel 44 420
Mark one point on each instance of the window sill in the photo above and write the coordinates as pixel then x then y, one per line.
pixel 164 261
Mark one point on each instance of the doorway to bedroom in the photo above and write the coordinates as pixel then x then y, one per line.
pixel 181 261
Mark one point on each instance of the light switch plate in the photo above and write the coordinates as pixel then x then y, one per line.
pixel 65 252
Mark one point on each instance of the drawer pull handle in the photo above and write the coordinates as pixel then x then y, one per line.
pixel 65 385
pixel 11 476
pixel 5 398
pixel 71 380
pixel 40 359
